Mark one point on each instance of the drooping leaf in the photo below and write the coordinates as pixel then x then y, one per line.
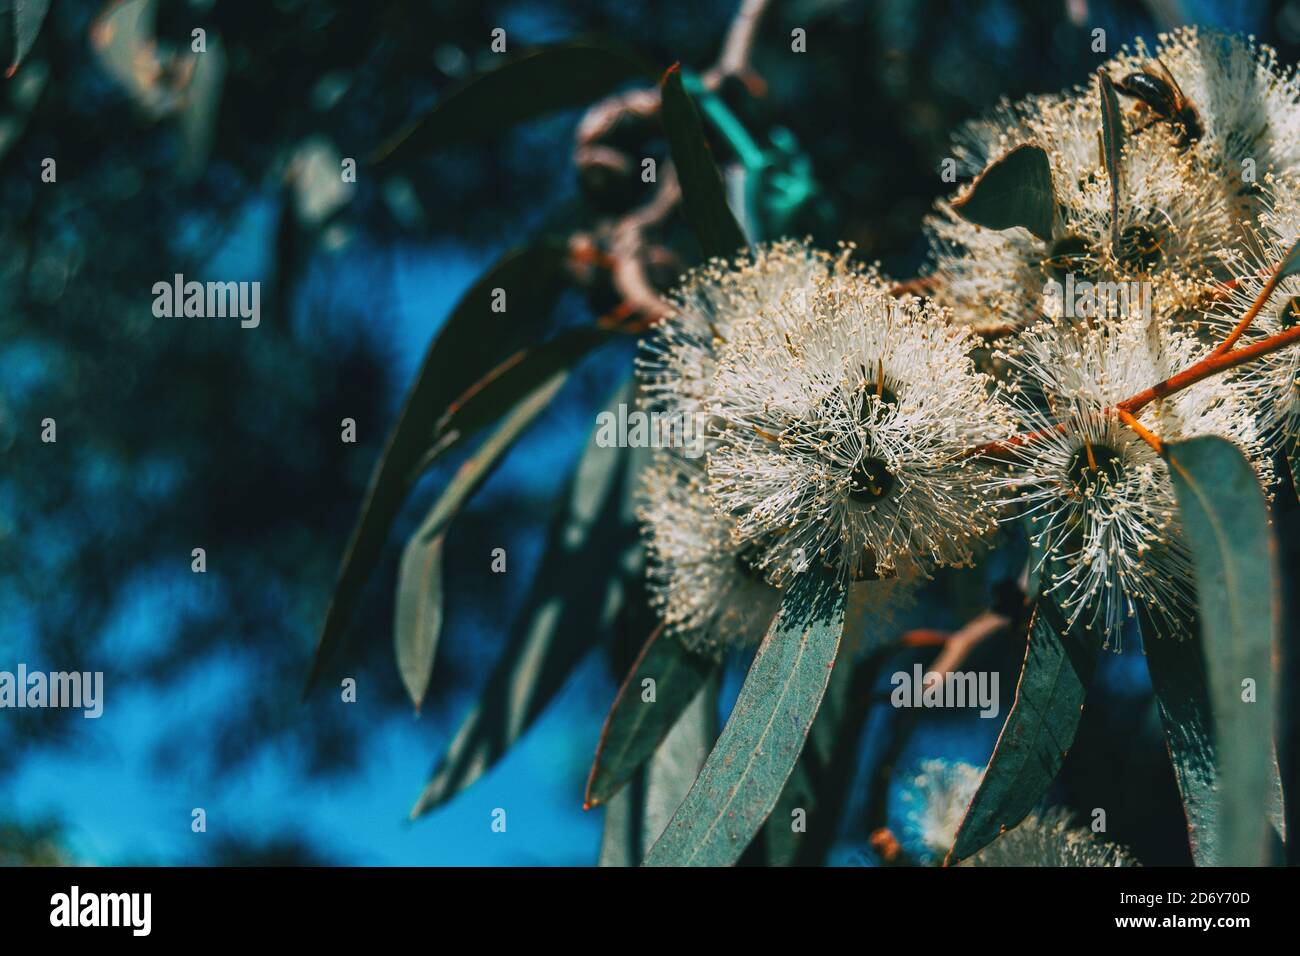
pixel 1014 191
pixel 419 581
pixel 564 616
pixel 747 768
pixel 637 814
pixel 28 17
pixel 474 339
pixel 488 399
pixel 704 198
pixel 634 726
pixel 815 795
pixel 526 87
pixel 1112 140
pixel 1040 729
pixel 1225 518
pixel 1179 681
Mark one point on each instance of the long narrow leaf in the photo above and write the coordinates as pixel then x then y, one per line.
pixel 474 339
pixel 526 87
pixel 1225 518
pixel 1040 729
pixel 704 198
pixel 419 587
pixel 748 767
pixel 564 616
pixel 635 726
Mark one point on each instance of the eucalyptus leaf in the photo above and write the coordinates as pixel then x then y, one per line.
pixel 704 197
pixel 1179 682
pixel 529 86
pixel 1014 191
pixel 28 17
pixel 1112 140
pixel 748 767
pixel 1225 518
pixel 635 726
pixel 419 587
pixel 1059 664
pixel 637 814
pixel 474 339
pixel 565 615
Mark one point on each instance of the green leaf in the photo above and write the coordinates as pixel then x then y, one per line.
pixel 1225 519
pixel 634 727
pixel 748 767
pixel 1014 191
pixel 1059 664
pixel 704 198
pixel 542 81
pixel 498 391
pixel 564 616
pixel 1178 679
pixel 28 17
pixel 818 787
pixel 419 581
pixel 638 813
pixel 474 339
pixel 1112 140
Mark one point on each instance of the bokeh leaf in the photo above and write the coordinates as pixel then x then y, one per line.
pixel 419 580
pixel 704 198
pixel 634 727
pixel 1225 518
pixel 565 615
pixel 473 341
pixel 529 86
pixel 748 767
pixel 1014 191
pixel 1059 664
pixel 28 17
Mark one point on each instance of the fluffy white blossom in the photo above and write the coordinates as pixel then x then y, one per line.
pixel 935 800
pixel 678 358
pixel 1173 229
pixel 843 430
pixel 1051 839
pixel 706 588
pixel 1101 506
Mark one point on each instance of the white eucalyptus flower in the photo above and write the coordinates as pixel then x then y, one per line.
pixel 1101 506
pixel 1173 226
pixel 1240 109
pixel 707 590
pixel 936 799
pixel 678 358
pixel 843 435
pixel 1050 839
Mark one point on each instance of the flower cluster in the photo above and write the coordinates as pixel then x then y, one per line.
pixel 884 435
